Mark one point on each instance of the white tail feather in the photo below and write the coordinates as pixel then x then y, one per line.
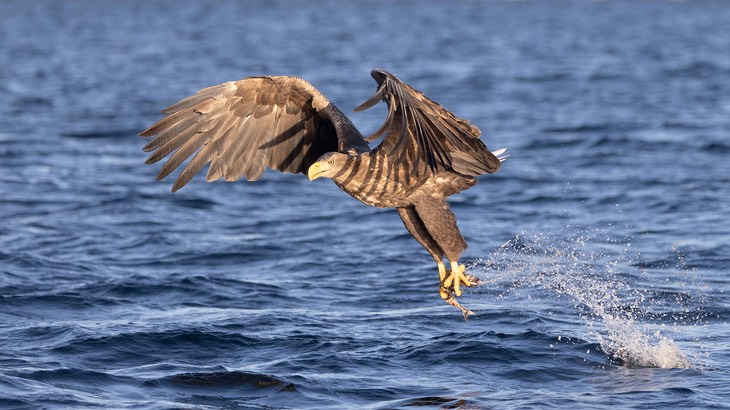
pixel 498 153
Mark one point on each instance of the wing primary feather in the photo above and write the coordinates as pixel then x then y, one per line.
pixel 209 149
pixel 422 141
pixel 170 133
pixel 438 144
pixel 171 145
pixel 192 144
pixel 402 137
pixel 197 163
pixel 386 124
pixel 376 98
pixel 177 112
pixel 196 98
pixel 163 123
pixel 181 155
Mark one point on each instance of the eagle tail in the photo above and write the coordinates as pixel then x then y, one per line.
pixel 500 154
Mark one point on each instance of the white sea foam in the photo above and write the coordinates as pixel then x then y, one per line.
pixel 610 307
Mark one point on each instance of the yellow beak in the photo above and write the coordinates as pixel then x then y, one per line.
pixel 316 170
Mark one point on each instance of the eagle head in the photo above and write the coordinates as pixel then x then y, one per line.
pixel 328 165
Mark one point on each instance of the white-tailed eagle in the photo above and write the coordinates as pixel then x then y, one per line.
pixel 427 153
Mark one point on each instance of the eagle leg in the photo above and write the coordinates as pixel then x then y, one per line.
pixel 451 282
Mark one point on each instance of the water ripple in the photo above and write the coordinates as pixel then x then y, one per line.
pixel 601 243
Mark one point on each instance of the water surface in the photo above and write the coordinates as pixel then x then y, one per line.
pixel 603 242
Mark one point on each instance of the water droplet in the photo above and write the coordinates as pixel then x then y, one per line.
pixel 609 306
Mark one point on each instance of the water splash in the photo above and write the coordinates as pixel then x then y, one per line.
pixel 614 311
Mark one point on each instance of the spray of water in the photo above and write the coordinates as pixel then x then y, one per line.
pixel 614 311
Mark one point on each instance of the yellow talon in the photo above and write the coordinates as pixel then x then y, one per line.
pixel 457 277
pixel 442 271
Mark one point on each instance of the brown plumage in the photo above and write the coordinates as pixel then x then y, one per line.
pixel 283 123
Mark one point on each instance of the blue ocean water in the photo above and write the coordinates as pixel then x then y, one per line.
pixel 603 243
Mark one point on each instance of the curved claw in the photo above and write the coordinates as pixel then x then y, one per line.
pixel 451 300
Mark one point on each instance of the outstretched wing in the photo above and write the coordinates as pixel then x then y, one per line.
pixel 242 127
pixel 420 131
